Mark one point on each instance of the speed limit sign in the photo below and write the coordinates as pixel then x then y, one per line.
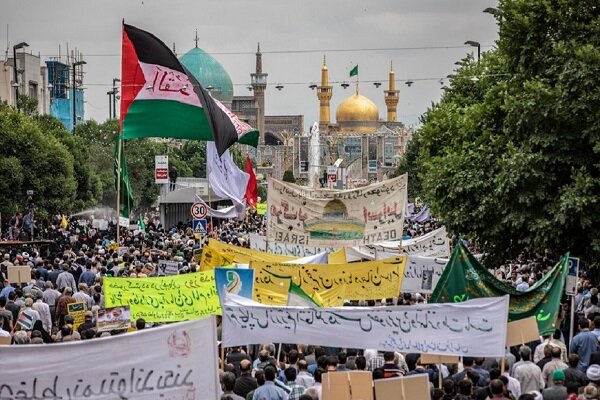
pixel 199 210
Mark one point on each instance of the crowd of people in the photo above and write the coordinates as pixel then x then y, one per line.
pixel 71 265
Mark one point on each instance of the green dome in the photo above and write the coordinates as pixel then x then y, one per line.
pixel 209 72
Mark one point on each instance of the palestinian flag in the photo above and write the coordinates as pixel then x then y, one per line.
pixel 160 98
pixel 251 188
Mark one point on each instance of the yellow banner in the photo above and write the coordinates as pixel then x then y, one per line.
pixel 363 281
pixel 77 310
pixel 277 293
pixel 243 255
pixel 212 258
pixel 165 299
pixel 337 257
pixel 261 208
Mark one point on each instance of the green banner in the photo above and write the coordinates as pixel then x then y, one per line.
pixel 465 278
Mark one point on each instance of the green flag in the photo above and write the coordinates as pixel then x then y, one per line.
pixel 464 278
pixel 126 200
pixel 141 224
pixel 354 71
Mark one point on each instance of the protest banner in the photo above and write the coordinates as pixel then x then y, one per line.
pixel 167 268
pixel 165 299
pixel 465 278
pixel 363 281
pixel 77 310
pixel 336 218
pixel 438 359
pixel 113 319
pixel 244 255
pixel 259 242
pixel 235 280
pixel 402 388
pixel 522 331
pixel 422 274
pixel 176 361
pixel 211 258
pixel 347 385
pixel 473 328
pixel 432 244
pixel 19 274
pixel 261 208
pixel 277 294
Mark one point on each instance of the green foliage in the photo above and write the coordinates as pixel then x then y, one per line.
pixel 28 105
pixel 513 157
pixel 33 160
pixel 288 176
pixel 409 164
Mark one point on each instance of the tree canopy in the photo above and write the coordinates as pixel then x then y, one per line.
pixel 510 154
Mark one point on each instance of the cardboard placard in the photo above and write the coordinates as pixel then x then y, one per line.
pixel 522 331
pixel 5 340
pixel 402 388
pixel 116 318
pixel 19 274
pixel 355 385
pixel 77 310
pixel 439 359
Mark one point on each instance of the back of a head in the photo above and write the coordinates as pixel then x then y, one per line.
pixel 479 361
pixel 590 392
pixel 584 323
pixel 270 373
pixel 311 394
pixel 573 360
pixel 228 380
pixel 342 358
pixel 572 388
pixel 448 386
pixel 332 361
pixel 525 353
pixel 140 323
pixel 361 363
pixel 495 373
pixel 378 373
pixel 292 357
pixel 318 374
pixel 245 366
pixel 465 387
pixel 389 356
pixel 527 396
pixel 260 377
pixel 322 362
pixel 496 386
pixel 302 365
pixel 555 352
pixel 468 361
pixel 319 351
pixel 290 374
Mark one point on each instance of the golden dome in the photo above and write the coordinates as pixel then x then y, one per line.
pixel 356 108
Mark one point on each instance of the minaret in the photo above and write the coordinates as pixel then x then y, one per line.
pixel 259 84
pixel 391 97
pixel 324 93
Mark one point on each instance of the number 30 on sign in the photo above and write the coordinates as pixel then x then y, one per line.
pixel 199 210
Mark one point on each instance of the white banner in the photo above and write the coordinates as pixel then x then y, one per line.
pixel 259 242
pixel 421 274
pixel 161 169
pixel 475 328
pixel 225 178
pixel 432 244
pixel 176 361
pixel 336 218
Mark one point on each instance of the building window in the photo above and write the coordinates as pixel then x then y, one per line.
pixel 388 152
pixel 372 165
pixel 33 90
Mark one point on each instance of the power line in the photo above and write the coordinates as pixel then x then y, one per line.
pixel 301 51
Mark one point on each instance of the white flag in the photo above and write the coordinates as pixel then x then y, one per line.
pixel 225 178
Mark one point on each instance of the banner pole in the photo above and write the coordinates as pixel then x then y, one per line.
pixel 572 320
pixel 118 185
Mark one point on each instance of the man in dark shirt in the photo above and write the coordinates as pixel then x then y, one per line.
pixel 572 374
pixel 245 383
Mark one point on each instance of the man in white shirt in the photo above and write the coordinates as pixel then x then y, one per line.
pixel 527 373
pixel 44 310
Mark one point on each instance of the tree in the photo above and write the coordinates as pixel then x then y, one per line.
pixel 288 176
pixel 511 153
pixel 32 160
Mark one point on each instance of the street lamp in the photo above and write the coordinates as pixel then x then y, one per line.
pixel 75 64
pixel 110 103
pixel 491 10
pixel 114 93
pixel 21 45
pixel 475 44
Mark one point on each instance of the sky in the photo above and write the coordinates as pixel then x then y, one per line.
pixel 423 39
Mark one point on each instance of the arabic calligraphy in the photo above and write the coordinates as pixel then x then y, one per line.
pixel 171 298
pixel 436 328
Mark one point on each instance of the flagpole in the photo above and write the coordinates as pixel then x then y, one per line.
pixel 118 185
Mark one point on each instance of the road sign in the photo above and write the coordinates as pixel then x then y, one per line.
pixel 199 226
pixel 199 210
pixel 572 275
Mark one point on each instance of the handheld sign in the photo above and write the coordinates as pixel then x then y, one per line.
pixel 572 274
